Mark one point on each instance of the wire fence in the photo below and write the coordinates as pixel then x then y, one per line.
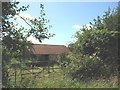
pixel 18 73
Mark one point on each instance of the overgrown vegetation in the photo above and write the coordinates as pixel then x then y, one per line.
pixel 94 55
pixel 91 62
pixel 56 79
pixel 14 40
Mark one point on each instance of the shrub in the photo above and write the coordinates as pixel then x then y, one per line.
pixel 95 55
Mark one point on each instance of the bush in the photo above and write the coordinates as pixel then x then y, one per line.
pixel 94 55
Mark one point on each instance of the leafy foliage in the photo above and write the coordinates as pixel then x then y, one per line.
pixel 58 79
pixel 14 40
pixel 95 52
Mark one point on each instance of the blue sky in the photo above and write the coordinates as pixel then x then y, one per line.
pixel 67 17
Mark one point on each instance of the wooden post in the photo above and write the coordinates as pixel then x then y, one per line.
pixel 20 75
pixel 32 73
pixel 43 71
pixel 21 71
pixel 15 75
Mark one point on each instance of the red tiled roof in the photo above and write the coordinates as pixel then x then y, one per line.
pixel 49 49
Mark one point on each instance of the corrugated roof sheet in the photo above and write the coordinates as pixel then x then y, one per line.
pixel 49 49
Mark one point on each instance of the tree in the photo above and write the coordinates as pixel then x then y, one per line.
pixel 14 41
pixel 94 54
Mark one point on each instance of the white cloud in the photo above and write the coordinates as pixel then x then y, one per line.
pixel 25 16
pixel 33 40
pixel 77 27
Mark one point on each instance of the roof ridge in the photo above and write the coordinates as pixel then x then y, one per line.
pixel 49 45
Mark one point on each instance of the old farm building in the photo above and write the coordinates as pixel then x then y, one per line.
pixel 45 54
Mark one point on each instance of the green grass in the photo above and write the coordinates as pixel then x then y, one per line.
pixel 58 79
